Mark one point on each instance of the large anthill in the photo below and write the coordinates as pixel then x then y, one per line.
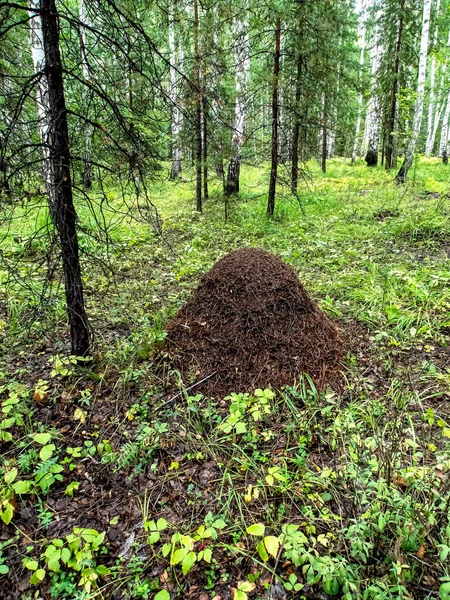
pixel 251 323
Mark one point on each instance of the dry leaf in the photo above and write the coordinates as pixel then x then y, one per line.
pixel 40 396
pixel 421 551
pixel 79 415
pixel 163 577
pixel 399 481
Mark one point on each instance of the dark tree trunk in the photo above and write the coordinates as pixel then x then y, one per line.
pixel 59 156
pixel 391 158
pixel 205 148
pixel 296 128
pixel 234 169
pixel 324 136
pixel 87 175
pixel 445 157
pixel 274 165
pixel 4 181
pixel 198 113
pixel 220 172
pixel 371 157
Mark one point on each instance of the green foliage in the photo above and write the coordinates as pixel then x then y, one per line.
pixel 77 552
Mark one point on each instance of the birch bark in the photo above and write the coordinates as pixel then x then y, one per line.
pixel 418 105
pixel 372 124
pixel 443 146
pixel 362 45
pixel 242 70
pixel 174 99
pixel 432 109
pixel 42 101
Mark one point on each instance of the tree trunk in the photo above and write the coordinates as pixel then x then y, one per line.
pixel 241 69
pixel 443 150
pixel 87 158
pixel 418 105
pixel 391 155
pixel 274 165
pixel 362 45
pixel 372 124
pixel 324 136
pixel 296 128
pixel 175 170
pixel 59 157
pixel 441 103
pixel 432 104
pixel 38 57
pixel 198 112
pixel 205 145
pixel 4 181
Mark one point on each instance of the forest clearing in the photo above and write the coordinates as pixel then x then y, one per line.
pixel 224 300
pixel 361 471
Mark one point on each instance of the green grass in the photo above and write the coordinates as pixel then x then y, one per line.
pixel 362 473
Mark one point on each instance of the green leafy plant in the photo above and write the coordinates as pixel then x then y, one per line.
pixel 77 552
pixel 183 549
pixel 245 407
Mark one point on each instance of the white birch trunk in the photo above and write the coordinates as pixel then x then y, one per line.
pixel 445 129
pixel 418 105
pixel 242 70
pixel 42 101
pixel 173 95
pixel 331 130
pixel 440 103
pixel 432 112
pixel 372 124
pixel 362 45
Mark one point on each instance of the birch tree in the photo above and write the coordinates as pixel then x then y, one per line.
pixel 362 46
pixel 176 115
pixel 241 70
pixel 432 99
pixel 372 124
pixel 443 145
pixel 439 107
pixel 418 105
pixel 42 101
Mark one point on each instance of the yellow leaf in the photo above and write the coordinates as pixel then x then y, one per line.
pixel 248 495
pixel 246 586
pixel 80 415
pixel 272 544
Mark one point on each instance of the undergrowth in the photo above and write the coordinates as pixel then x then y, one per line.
pixel 118 480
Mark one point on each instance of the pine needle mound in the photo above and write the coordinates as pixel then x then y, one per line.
pixel 250 324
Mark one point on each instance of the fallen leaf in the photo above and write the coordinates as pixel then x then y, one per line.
pixel 79 415
pixel 164 576
pixel 421 551
pixel 40 396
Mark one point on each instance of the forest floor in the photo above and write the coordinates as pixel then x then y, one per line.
pixel 116 483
